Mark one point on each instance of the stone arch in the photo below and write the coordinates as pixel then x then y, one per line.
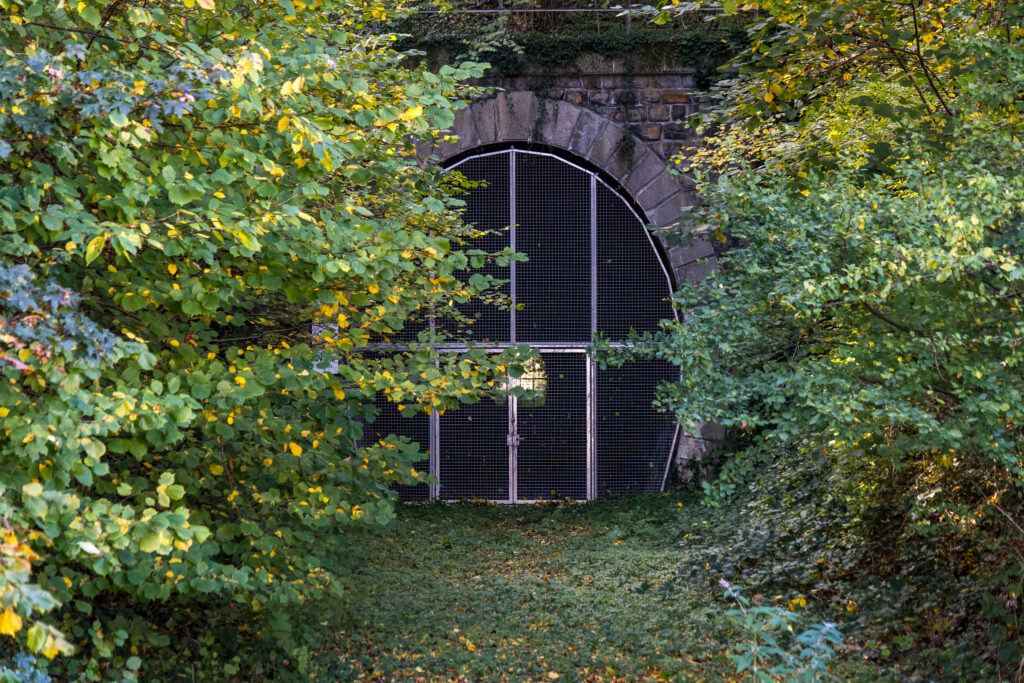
pixel 606 144
pixel 522 116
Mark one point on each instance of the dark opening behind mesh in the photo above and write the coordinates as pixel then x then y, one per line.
pixel 552 453
pixel 474 452
pixel 633 440
pixel 631 286
pixel 417 428
pixel 487 208
pixel 553 230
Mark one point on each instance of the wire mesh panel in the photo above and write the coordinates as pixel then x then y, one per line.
pixel 388 423
pixel 474 457
pixel 552 429
pixel 634 441
pixel 570 440
pixel 632 288
pixel 487 208
pixel 553 230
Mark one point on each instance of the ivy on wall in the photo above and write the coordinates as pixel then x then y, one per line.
pixel 511 51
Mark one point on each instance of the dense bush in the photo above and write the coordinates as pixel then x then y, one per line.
pixel 870 313
pixel 184 189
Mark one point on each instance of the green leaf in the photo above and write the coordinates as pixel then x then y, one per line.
pixel 179 194
pixel 36 638
pixel 150 543
pixel 91 15
pixel 32 490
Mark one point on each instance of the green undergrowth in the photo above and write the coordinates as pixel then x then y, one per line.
pixel 477 592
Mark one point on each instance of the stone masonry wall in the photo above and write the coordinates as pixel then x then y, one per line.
pixel 653 105
pixel 628 125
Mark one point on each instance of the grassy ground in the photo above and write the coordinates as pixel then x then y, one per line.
pixel 529 593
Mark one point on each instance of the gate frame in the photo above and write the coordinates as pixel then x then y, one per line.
pixel 594 177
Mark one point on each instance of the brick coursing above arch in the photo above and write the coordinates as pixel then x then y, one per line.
pixel 522 116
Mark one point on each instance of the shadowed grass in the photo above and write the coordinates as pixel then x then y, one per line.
pixel 477 592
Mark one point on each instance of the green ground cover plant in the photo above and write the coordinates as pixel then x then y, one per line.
pixel 592 592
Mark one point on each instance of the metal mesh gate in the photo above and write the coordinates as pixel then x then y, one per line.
pixel 593 268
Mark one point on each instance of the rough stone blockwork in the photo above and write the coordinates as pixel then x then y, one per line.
pixel 627 124
pixel 655 106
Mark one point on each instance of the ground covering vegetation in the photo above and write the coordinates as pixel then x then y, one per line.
pixel 594 592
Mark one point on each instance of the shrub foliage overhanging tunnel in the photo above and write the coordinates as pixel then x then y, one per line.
pixel 861 338
pixel 184 188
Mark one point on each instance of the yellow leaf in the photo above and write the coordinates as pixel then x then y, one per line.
pixel 295 448
pixel 339 394
pixel 282 125
pixel 172 269
pixel 4 412
pixel 10 622
pixel 768 97
pixel 216 470
pixel 374 288
pixel 412 113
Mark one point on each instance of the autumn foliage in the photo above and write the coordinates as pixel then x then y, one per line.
pixel 187 192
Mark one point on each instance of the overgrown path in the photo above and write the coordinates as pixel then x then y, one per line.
pixel 496 593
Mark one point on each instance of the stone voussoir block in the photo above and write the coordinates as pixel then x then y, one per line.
pixel 646 166
pixel 686 256
pixel 662 186
pixel 558 122
pixel 517 113
pixel 606 149
pixel 698 270
pixel 485 116
pixel 667 212
pixel 588 127
pixel 465 127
